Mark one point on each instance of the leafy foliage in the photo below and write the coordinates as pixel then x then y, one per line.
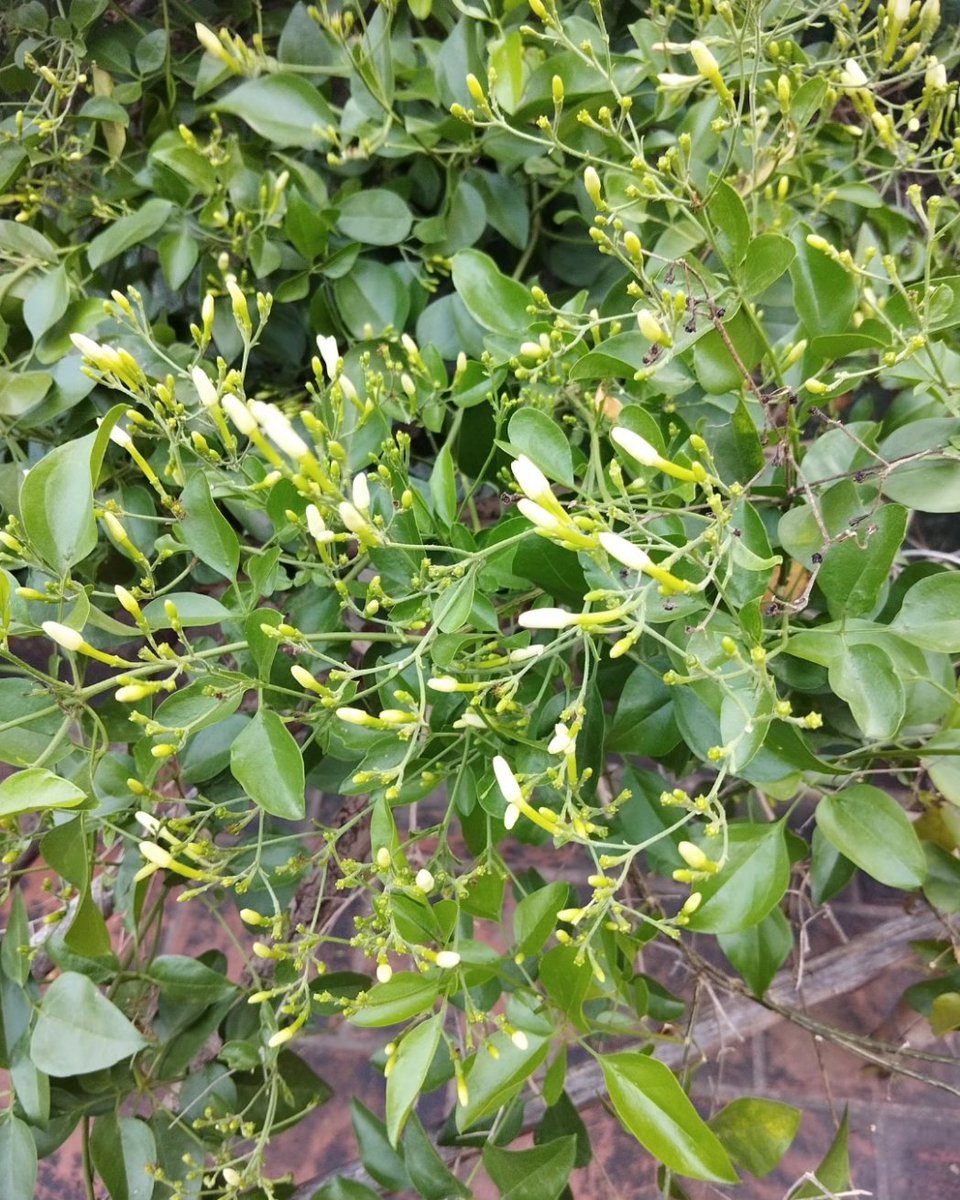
pixel 432 429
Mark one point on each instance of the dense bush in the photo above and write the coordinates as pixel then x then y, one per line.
pixel 435 427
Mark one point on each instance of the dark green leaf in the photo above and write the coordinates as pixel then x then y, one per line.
pixel 767 257
pixel 129 231
pixel 856 569
pixel 266 761
pixel 728 216
pixel 537 1174
pixel 283 108
pixel 543 441
pixel 443 486
pixel 206 530
pixel 56 504
pixel 865 677
pixel 535 917
pixel 378 1156
pixel 375 217
pixel 750 885
pixel 497 302
pixel 188 981
pixel 833 1174
pixel 494 1082
pixel 404 996
pixel 409 1069
pixel 428 1172
pixel 759 952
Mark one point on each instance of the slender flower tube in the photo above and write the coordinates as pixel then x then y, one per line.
pixel 205 389
pixel 329 354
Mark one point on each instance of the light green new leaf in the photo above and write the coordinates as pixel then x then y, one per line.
pixel 127 232
pixel 753 881
pixel 535 917
pixel 78 1030
pixel 492 298
pixel 22 390
pixel 206 530
pixel 540 1173
pixel 47 302
pixel 18 1160
pixel 36 790
pixel 865 677
pixel 443 486
pixel 728 216
pixel 266 761
pixel 757 1133
pixel 56 503
pixel 653 1106
pixel 283 108
pixel 930 614
pixel 543 441
pixel 376 217
pixel 873 831
pixel 408 1071
pixel 833 1173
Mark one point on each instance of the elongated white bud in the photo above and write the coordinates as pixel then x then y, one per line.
pixel 547 618
pixel 329 354
pixel 531 480
pixel 507 781
pixel 360 493
pixel 63 635
pixel 238 413
pixel 636 446
pixel 206 391
pixel 625 552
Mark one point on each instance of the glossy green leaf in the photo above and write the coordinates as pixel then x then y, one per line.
pixel 78 1030
pixel 18 1159
pixel 494 1082
pixel 830 871
pixel 855 570
pixel 728 216
pixel 206 530
pixel 415 1052
pixel 535 917
pixel 193 609
pixel 824 294
pixel 542 440
pixel 380 1160
pixel 21 391
pixel 375 216
pixel 871 829
pixel 47 302
pixel 35 790
pixel 122 1149
pixel 653 1106
pixel 187 981
pixel 930 613
pixel 864 676
pixel 756 1133
pixel 754 880
pixel 56 504
pixel 341 1188
pixel 537 1174
pixel 452 608
pixel 429 1174
pixel 404 996
pixel 266 761
pixel 128 232
pixel 767 258
pixel 716 369
pixel 497 302
pixel 443 486
pixel 284 108
pixel 759 952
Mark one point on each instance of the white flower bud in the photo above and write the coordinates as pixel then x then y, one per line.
pixel 238 413
pixel 425 881
pixel 547 618
pixel 636 446
pixel 538 516
pixel 625 552
pixel 531 480
pixel 448 959
pixel 852 75
pixel 63 635
pixel 561 742
pixel 360 492
pixel 206 391
pixel 507 781
pixel 329 354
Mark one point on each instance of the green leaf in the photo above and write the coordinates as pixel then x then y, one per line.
pixel 409 1068
pixel 443 486
pixel 824 294
pixel 127 232
pixel 47 302
pixel 178 253
pixel 759 952
pixel 653 1106
pixel 535 917
pixel 942 885
pixel 428 1172
pixel 754 880
pixel 833 1174
pixel 873 831
pixel 378 1156
pixel 757 1133
pixel 404 996
pixel 930 614
pixel 266 761
pixel 345 1189
pixel 193 609
pixel 856 569
pixel 15 944
pixel 18 1159
pixel 371 298
pixel 283 108
pixel 537 1174
pixel 544 442
pixel 497 302
pixel 122 1150
pixel 56 504
pixel 767 257
pixel 716 369
pixel 830 871
pixel 187 981
pixel 376 217
pixel 945 1013
pixel 729 218
pixel 20 391
pixel 78 1030
pixel 865 677
pixel 36 790
pixel 493 1082
pixel 452 608
pixel 21 242
pixel 206 530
